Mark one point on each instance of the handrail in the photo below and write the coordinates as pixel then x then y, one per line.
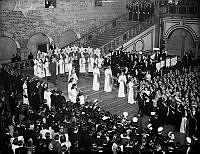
pixel 109 25
pixel 186 10
pixel 118 41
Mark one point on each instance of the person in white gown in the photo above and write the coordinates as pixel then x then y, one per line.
pixel 74 76
pixel 40 69
pixel 66 61
pixel 57 66
pixel 35 67
pixel 99 61
pixel 61 65
pixel 25 93
pixel 46 66
pixel 69 87
pixel 69 69
pixel 74 93
pixel 96 75
pixel 47 97
pixel 90 64
pixel 122 82
pixel 82 64
pixel 131 92
pixel 108 80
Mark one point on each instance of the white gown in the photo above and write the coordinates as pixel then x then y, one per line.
pixel 25 94
pixel 82 65
pixel 66 64
pixel 46 65
pixel 108 79
pixel 40 70
pixel 61 66
pixel 99 62
pixel 47 96
pixel 35 67
pixel 90 64
pixel 75 80
pixel 74 94
pixel 122 81
pixel 96 75
pixel 57 67
pixel 130 93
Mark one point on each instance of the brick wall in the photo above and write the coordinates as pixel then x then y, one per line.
pixel 78 15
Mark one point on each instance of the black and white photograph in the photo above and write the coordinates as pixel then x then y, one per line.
pixel 99 76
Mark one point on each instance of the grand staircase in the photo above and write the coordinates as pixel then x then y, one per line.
pixel 114 34
pixel 109 35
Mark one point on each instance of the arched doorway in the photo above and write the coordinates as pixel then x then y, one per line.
pixel 37 42
pixel 67 37
pixel 179 42
pixel 8 47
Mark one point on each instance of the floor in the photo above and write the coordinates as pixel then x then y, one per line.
pixel 107 100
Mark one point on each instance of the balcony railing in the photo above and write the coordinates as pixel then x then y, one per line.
pixel 128 35
pixel 181 10
pixel 108 26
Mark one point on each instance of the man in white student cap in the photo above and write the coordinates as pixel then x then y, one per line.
pixel 135 119
pixel 125 114
pixel 160 130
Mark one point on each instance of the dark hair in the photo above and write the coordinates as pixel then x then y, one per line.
pixel 62 138
pixel 56 137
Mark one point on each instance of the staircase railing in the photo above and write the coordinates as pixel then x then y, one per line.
pixel 180 10
pixel 94 33
pixel 128 35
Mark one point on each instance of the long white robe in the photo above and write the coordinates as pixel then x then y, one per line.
pixel 130 93
pixel 122 81
pixel 75 80
pixel 99 61
pixel 25 94
pixel 82 65
pixel 90 64
pixel 66 61
pixel 57 67
pixel 108 79
pixel 46 65
pixel 74 94
pixel 35 67
pixel 96 75
pixel 47 96
pixel 61 66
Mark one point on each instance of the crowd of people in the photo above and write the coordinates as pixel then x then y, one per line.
pixel 140 10
pixel 38 120
pixel 61 61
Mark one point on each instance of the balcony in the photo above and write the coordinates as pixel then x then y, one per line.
pixel 180 10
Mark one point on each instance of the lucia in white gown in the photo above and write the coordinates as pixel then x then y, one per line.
pixel 35 67
pixel 47 96
pixel 82 64
pixel 90 64
pixel 131 92
pixel 96 75
pixel 70 68
pixel 66 61
pixel 74 93
pixel 46 65
pixel 61 66
pixel 108 80
pixel 122 81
